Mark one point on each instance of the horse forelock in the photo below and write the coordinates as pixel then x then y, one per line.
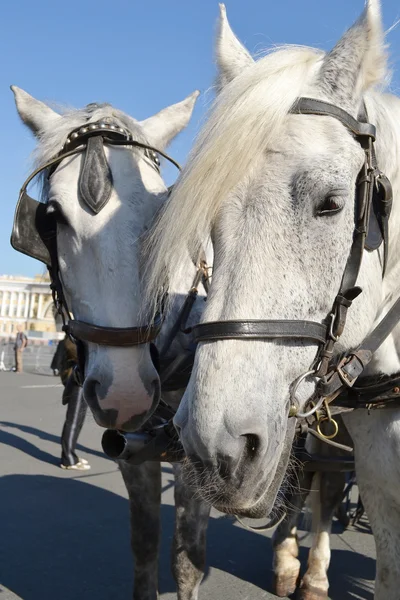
pixel 246 119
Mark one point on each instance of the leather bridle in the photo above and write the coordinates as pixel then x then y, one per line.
pixel 35 233
pixel 372 209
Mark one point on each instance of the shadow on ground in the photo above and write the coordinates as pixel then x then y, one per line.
pixel 65 538
pixel 15 441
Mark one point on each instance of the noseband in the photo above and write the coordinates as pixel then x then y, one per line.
pixel 35 230
pixel 373 204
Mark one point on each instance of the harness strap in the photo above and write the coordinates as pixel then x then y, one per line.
pixel 311 106
pixel 354 363
pixel 260 330
pixel 370 392
pixel 186 309
pixel 113 336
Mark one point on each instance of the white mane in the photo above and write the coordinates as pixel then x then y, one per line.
pixel 246 119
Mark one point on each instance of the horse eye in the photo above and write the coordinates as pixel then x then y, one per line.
pixel 330 206
pixel 55 211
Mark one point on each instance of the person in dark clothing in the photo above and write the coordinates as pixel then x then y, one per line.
pixel 76 408
pixel 57 358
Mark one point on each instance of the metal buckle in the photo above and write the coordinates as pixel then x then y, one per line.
pixel 345 376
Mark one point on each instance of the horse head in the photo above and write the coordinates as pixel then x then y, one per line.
pixel 276 191
pixel 102 193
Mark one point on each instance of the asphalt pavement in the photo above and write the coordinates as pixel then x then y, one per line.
pixel 65 535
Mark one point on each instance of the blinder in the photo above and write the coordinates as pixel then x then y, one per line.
pixel 30 227
pixel 33 228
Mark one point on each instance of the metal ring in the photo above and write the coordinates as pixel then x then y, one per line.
pixel 294 410
pixel 317 406
pixel 335 427
pixel 296 383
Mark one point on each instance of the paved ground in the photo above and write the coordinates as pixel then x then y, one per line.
pixel 64 536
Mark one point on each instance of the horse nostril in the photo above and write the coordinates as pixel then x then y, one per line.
pixel 252 446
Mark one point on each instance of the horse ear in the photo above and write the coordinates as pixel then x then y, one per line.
pixel 231 56
pixel 358 61
pixel 35 114
pixel 161 129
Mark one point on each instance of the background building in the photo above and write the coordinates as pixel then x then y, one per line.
pixel 27 301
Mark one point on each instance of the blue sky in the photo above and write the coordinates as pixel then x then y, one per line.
pixel 140 57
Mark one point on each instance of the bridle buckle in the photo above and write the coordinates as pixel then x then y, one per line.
pixel 349 368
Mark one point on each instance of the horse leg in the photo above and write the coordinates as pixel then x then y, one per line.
pixel 286 565
pixel 189 544
pixel 384 515
pixel 377 453
pixel 143 483
pixel 315 582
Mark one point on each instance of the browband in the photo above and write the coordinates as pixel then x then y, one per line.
pixel 310 106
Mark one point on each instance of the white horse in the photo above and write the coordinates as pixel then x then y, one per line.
pixel 99 254
pixel 276 191
pixel 101 267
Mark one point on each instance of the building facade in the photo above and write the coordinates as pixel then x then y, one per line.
pixel 27 301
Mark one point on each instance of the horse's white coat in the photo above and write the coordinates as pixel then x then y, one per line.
pixel 255 180
pixel 100 255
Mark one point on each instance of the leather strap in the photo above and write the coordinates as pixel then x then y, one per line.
pixel 375 339
pixel 371 391
pixel 113 336
pixel 95 182
pixel 311 106
pixel 317 462
pixel 261 330
pixel 145 146
pixel 352 365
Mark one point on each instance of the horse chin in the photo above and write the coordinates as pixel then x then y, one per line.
pixel 265 504
pixel 250 499
pixel 262 509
